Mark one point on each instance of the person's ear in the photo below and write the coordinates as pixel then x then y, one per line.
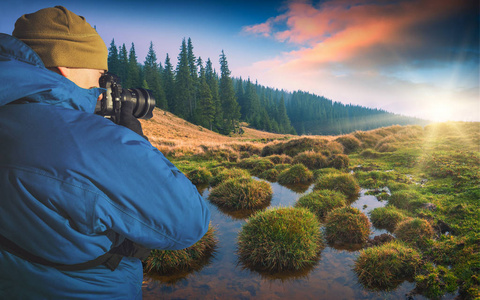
pixel 64 71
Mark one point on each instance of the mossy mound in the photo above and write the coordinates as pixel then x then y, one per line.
pixel 368 138
pixel 226 174
pixel 321 202
pixel 280 159
pixel 370 153
pixel 435 281
pixel 270 175
pixel 171 262
pixel 296 174
pixel 344 183
pixel 256 165
pixel 407 199
pixel 347 225
pixel 387 217
pixel 339 161
pixel 350 143
pixel 241 193
pixel 310 159
pixel 374 179
pixel 414 231
pixel 384 267
pixel 280 239
pixel 295 146
pixel 326 171
pixel 199 176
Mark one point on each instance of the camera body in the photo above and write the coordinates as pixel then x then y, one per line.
pixel 112 100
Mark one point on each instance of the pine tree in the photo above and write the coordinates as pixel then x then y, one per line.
pixel 133 71
pixel 153 79
pixel 169 83
pixel 183 85
pixel 231 110
pixel 205 108
pixel 123 66
pixel 212 81
pixel 113 59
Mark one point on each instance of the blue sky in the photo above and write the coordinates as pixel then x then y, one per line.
pixel 413 57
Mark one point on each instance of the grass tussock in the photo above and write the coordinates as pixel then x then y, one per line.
pixel 387 217
pixel 311 159
pixel 241 193
pixel 200 176
pixel 384 267
pixel 280 239
pixel 414 231
pixel 279 159
pixel 321 202
pixel 256 165
pixel 368 138
pixel 296 174
pixel 339 161
pixel 347 225
pixel 435 281
pixel 344 183
pixel 170 262
pixel 350 143
pixel 296 146
pixel 226 174
pixel 409 200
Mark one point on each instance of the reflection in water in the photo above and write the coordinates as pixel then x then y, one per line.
pixel 225 278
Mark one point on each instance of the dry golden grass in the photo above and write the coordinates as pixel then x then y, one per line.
pixel 171 134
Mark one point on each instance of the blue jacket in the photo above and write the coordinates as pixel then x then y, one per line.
pixel 73 185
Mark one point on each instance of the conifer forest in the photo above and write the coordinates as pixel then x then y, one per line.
pixel 196 92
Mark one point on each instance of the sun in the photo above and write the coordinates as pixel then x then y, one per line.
pixel 441 112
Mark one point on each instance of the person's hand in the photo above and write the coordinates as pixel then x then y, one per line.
pixel 128 120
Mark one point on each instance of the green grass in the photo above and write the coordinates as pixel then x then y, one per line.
pixel 384 267
pixel 344 183
pixel 241 193
pixel 347 225
pixel 280 239
pixel 321 202
pixel 170 262
pixel 414 231
pixel 226 174
pixel 296 174
pixel 387 217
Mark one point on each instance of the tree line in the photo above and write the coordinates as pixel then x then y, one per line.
pixel 194 91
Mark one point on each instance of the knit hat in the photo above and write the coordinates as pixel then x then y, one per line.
pixel 62 39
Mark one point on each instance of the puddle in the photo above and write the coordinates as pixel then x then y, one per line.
pixel 224 278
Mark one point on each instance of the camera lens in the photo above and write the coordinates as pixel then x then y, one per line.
pixel 144 103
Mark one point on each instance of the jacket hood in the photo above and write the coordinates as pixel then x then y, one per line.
pixel 23 76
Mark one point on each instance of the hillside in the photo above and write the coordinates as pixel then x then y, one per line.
pixel 168 132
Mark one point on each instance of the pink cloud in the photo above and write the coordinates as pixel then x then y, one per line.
pixel 339 29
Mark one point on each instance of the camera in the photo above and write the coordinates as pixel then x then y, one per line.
pixel 112 100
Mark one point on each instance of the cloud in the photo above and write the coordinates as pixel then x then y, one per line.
pixel 375 52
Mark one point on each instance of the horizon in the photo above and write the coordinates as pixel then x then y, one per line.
pixel 412 58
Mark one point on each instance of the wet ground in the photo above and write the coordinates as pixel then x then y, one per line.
pixel 224 277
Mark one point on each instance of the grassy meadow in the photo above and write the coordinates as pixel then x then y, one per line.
pixel 429 176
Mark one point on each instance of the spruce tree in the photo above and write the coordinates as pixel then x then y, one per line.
pixel 153 79
pixel 113 59
pixel 231 110
pixel 183 85
pixel 169 83
pixel 205 108
pixel 133 71
pixel 123 64
pixel 212 81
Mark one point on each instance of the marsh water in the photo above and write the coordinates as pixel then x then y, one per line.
pixel 223 277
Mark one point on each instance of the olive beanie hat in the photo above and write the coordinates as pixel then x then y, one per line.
pixel 62 39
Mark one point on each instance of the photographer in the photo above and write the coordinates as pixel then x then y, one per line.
pixel 82 199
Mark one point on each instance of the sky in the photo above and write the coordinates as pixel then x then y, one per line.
pixel 417 58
